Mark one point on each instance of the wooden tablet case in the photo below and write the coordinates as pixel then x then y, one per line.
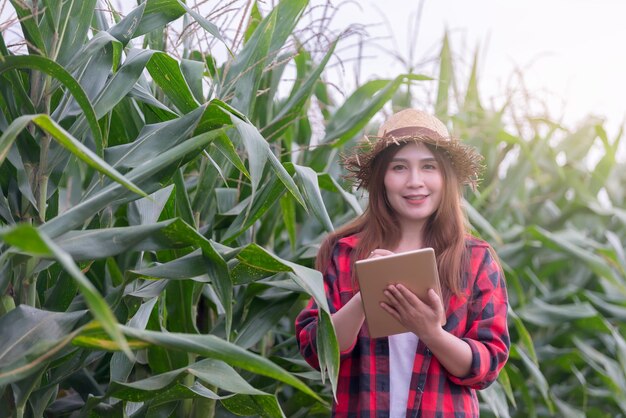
pixel 417 270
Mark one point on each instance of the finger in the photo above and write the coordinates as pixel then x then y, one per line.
pixel 391 296
pixel 436 304
pixel 398 301
pixel 391 311
pixel 380 252
pixel 434 301
pixel 405 296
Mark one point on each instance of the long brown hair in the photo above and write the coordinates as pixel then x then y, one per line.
pixel 378 226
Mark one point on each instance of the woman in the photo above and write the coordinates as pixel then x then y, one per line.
pixel 414 174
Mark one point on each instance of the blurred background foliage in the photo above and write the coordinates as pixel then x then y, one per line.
pixel 165 181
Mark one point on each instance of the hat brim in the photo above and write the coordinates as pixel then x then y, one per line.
pixel 465 159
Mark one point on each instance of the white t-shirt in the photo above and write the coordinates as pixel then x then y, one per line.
pixel 402 349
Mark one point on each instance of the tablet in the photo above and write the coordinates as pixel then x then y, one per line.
pixel 417 270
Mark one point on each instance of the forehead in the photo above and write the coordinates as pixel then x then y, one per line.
pixel 414 150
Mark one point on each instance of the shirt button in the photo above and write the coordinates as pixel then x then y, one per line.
pixel 428 353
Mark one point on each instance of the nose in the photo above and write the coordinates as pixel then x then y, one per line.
pixel 415 178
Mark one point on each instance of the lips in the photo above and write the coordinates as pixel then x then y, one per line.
pixel 417 198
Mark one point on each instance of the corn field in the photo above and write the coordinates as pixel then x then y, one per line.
pixel 165 184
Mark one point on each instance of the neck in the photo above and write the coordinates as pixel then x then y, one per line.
pixel 412 238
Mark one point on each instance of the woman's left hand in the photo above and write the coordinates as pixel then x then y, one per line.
pixel 421 317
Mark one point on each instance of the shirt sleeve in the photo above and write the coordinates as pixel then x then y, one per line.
pixel 307 320
pixel 487 330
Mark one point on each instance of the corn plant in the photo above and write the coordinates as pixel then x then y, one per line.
pixel 160 209
pixel 131 279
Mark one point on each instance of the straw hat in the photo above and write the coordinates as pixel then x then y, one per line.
pixel 412 125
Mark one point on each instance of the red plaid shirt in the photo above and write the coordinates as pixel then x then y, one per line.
pixel 479 317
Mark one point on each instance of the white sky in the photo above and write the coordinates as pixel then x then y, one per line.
pixel 570 51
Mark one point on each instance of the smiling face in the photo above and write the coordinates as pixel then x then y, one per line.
pixel 413 184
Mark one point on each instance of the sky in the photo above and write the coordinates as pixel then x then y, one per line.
pixel 570 52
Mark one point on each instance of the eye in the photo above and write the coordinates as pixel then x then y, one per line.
pixel 398 167
pixel 430 166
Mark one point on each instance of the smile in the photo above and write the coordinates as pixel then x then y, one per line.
pixel 416 198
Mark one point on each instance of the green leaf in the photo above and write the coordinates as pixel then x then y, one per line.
pixel 30 29
pixel 361 106
pixel 153 140
pixel 17 88
pixel 477 220
pixel 298 98
pixel 157 14
pixel 209 371
pixel 593 261
pixel 308 279
pixel 243 77
pixel 267 313
pixel 567 410
pixel 472 95
pixel 7 304
pixel 71 29
pixel 524 336
pixel 505 383
pixel 120 365
pixel 259 153
pixel 288 14
pixel 213 347
pixel 312 195
pixel 328 349
pixel 537 378
pixel 193 71
pixel 123 81
pixel 218 373
pixel 191 266
pixel 226 147
pixel 55 70
pixel 260 406
pixel 541 313
pixel 180 306
pixel 124 30
pixel 67 141
pixel 257 150
pixel 603 304
pixel 31 340
pixel 285 178
pixel 147 210
pixel 329 183
pixel 180 391
pixel 75 216
pixel 253 22
pixel 107 242
pixel 445 80
pixel 288 209
pixel 205 24
pixel 603 169
pixel 27 238
pixel 183 206
pixel 609 369
pixel 577 144
pixel 170 234
pixel 62 293
pixel 495 397
pixel 167 74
